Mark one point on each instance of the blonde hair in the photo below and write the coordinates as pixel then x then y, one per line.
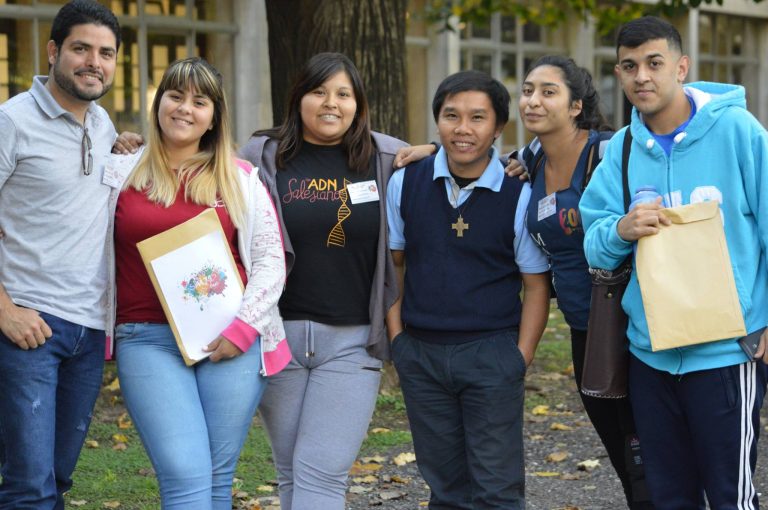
pixel 209 175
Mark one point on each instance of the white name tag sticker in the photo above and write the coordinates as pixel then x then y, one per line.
pixel 362 192
pixel 547 206
pixel 117 168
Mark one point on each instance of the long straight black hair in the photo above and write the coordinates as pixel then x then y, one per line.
pixel 357 140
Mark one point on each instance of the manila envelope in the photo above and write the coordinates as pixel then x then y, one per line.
pixel 686 280
pixel 194 274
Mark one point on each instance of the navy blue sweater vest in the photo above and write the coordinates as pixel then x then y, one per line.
pixel 456 284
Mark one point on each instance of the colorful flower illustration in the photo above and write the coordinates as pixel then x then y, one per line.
pixel 202 285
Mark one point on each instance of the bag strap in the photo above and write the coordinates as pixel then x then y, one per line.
pixel 626 148
pixel 538 158
pixel 625 167
pixel 592 163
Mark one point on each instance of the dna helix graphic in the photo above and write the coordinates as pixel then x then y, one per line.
pixel 337 236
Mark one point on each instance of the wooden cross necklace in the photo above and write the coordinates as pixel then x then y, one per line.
pixel 460 226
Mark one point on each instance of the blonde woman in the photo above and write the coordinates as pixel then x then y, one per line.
pixel 193 420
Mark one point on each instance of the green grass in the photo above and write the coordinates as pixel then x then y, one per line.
pixel 104 474
pixel 375 443
pixel 391 403
pixel 554 351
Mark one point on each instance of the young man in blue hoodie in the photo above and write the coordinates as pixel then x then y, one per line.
pixel 697 408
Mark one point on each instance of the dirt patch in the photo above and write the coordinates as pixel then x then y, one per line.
pixel 553 482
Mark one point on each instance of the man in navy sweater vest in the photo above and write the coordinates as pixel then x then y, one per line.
pixel 461 338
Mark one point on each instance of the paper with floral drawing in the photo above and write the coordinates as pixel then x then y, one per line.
pixel 194 274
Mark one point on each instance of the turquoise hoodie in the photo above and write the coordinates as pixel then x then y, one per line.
pixel 722 155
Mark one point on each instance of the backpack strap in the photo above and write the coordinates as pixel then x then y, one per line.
pixel 592 163
pixel 625 167
pixel 538 158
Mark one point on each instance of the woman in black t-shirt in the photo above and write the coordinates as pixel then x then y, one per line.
pixel 327 172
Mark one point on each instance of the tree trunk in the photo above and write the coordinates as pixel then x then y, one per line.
pixel 370 32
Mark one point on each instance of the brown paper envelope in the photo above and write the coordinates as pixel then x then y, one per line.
pixel 172 239
pixel 686 280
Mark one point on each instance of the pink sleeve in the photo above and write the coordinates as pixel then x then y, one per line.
pixel 240 334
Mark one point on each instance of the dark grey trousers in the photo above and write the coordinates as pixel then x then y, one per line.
pixel 465 406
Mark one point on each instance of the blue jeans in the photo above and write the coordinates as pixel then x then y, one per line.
pixel 192 420
pixel 46 399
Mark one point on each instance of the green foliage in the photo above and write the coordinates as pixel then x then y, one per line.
pixel 104 474
pixel 536 399
pixel 553 354
pixel 376 442
pixel 390 402
pixel 609 14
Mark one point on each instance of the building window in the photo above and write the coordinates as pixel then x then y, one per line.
pixel 154 34
pixel 728 51
pixel 615 107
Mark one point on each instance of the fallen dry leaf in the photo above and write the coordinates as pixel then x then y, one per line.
pixel 111 504
pixel 571 476
pixel 557 456
pixel 78 502
pixel 91 444
pixel 365 479
pixel 251 504
pixel 399 479
pixel 536 437
pixel 546 473
pixel 120 447
pixel 390 495
pixel 404 458
pixel 361 469
pixel 358 489
pixel 540 410
pixel 265 488
pixel 560 426
pixel 588 465
pixel 124 421
pixel 113 386
pixel 378 459
pixel 380 430
pixel 119 438
pixel 240 495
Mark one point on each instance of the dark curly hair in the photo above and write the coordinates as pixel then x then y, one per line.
pixel 579 83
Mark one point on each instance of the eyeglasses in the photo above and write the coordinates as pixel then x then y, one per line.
pixel 85 153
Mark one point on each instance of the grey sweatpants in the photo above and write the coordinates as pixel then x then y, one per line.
pixel 317 412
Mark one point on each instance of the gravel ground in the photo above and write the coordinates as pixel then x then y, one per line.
pixel 549 485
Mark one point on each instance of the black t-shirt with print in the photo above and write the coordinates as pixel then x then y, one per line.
pixel 334 240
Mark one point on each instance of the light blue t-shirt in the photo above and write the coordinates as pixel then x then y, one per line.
pixel 666 141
